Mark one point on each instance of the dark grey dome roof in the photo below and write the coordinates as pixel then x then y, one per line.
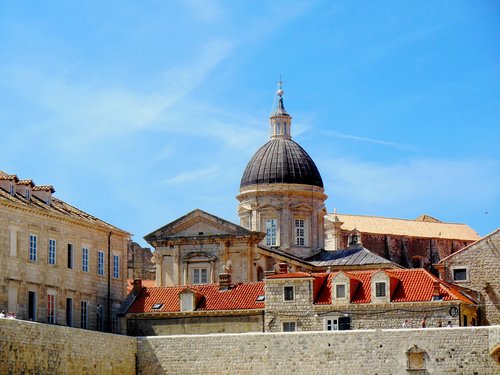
pixel 281 160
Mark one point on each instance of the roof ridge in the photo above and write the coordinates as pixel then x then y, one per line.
pixel 396 218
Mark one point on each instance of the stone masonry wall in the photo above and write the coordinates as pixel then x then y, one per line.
pixel 35 348
pixel 195 325
pixel 445 350
pixel 402 249
pixel 482 261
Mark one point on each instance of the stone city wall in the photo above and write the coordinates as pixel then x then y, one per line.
pixel 195 325
pixel 444 351
pixel 28 347
pixel 35 348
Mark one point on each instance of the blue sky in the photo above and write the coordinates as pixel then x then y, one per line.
pixel 139 112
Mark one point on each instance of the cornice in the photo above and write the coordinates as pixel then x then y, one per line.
pixel 70 220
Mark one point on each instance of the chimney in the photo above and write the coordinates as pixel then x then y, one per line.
pixel 136 286
pixel 283 268
pixel 441 270
pixel 224 281
pixel 435 289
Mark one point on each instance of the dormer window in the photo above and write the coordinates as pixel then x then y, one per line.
pixel 187 301
pixel 380 290
pixel 48 200
pixel 12 189
pixel 28 194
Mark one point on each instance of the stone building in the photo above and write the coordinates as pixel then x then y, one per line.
pixel 195 248
pixel 418 243
pixel 301 301
pixel 344 300
pixel 139 262
pixel 283 219
pixel 477 268
pixel 58 264
pixel 197 309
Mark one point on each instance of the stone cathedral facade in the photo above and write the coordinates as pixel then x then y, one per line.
pixel 283 219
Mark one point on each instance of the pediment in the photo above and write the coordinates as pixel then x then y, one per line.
pixel 197 223
pixel 301 206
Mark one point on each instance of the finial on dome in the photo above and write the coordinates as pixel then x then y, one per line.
pixel 280 108
pixel 280 91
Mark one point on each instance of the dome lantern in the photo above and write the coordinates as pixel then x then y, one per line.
pixel 280 120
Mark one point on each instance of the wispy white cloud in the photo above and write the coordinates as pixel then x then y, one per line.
pixel 204 10
pixel 196 175
pixel 424 182
pixel 365 139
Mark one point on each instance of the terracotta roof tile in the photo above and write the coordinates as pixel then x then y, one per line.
pixel 239 297
pixel 44 188
pixel 57 206
pixel 402 227
pixel 415 285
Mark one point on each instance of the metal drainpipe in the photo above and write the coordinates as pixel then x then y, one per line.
pixel 108 308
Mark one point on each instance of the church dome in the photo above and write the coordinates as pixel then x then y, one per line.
pixel 281 160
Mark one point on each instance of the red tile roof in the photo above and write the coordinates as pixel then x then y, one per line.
pixel 415 285
pixel 238 297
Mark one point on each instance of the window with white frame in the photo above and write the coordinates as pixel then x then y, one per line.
pixel 84 314
pixel 460 274
pixel 271 232
pixel 100 263
pixel 288 293
pixel 52 251
pixel 340 291
pixel 85 259
pixel 200 275
pixel 289 326
pixel 300 232
pixel 51 308
pixel 331 324
pixel 116 266
pixel 380 289
pixel 33 247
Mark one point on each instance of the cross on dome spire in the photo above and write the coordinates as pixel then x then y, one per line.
pixel 280 120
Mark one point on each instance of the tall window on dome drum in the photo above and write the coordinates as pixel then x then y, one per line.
pixel 271 232
pixel 300 234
